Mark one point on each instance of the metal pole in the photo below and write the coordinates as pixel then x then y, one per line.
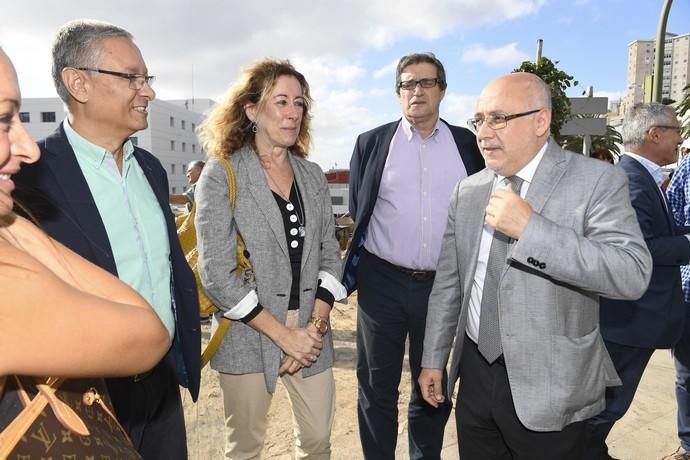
pixel 540 45
pixel 587 139
pixel 659 59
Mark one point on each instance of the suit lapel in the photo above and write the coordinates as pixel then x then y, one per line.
pixel 549 172
pixel 79 204
pixel 470 221
pixel 632 163
pixel 148 172
pixel 309 193
pixel 262 195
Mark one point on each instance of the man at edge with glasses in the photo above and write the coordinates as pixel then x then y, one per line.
pixel 401 177
pixel 531 243
pixel 107 200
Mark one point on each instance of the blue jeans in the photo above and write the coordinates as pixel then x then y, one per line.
pixel 681 353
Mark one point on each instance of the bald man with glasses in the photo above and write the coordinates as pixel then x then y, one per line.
pixel 531 243
pixel 401 176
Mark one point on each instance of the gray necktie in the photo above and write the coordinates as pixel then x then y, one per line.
pixel 489 326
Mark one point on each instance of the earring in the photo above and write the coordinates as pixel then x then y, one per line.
pixel 253 127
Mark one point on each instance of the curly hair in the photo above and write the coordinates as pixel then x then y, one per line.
pixel 227 127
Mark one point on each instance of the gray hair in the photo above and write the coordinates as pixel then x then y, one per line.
pixel 77 45
pixel 195 164
pixel 420 58
pixel 640 118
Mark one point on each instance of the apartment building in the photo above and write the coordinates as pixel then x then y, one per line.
pixel 676 68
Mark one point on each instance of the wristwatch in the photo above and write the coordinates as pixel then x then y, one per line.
pixel 321 324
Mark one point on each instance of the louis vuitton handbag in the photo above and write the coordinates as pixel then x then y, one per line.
pixel 44 418
pixel 186 233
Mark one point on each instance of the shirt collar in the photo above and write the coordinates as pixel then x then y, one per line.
pixel 653 168
pixel 409 130
pixel 90 152
pixel 528 171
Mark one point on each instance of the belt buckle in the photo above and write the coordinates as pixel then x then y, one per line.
pixel 419 275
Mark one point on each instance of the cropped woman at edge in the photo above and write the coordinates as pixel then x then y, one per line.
pixel 284 215
pixel 60 315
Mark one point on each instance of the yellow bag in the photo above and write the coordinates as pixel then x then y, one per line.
pixel 186 232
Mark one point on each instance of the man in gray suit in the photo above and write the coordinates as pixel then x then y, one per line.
pixel 519 279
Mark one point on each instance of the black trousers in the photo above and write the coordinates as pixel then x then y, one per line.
pixel 392 308
pixel 488 426
pixel 149 408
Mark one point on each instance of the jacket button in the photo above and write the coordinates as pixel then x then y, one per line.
pixel 530 260
pixel 542 265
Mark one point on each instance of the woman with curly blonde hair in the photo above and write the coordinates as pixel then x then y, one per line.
pixel 283 213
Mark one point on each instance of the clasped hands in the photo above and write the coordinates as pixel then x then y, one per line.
pixel 302 347
pixel 507 212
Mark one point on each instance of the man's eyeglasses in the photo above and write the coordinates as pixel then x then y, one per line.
pixel 496 121
pixel 136 81
pixel 424 83
pixel 677 128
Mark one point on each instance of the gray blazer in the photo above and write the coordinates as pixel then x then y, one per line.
pixel 257 218
pixel 582 241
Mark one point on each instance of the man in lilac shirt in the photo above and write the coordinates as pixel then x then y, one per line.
pixel 401 178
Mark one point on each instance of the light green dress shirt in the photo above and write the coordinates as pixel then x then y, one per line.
pixel 133 220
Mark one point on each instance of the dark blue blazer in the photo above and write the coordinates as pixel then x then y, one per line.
pixel 366 168
pixel 656 319
pixel 55 192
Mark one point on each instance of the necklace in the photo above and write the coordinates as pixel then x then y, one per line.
pixel 297 216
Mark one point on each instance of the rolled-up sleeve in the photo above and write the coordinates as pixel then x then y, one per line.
pixel 217 245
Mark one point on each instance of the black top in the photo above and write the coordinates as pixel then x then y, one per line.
pixel 294 219
pixel 294 223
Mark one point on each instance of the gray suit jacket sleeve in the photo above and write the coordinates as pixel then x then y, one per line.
pixel 217 239
pixel 608 258
pixel 447 292
pixel 331 262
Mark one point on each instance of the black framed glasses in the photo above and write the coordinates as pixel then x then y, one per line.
pixel 496 121
pixel 136 81
pixel 424 83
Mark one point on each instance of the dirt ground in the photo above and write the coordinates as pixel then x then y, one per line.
pixel 205 419
pixel 647 432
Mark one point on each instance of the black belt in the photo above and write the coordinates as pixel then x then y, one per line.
pixel 417 275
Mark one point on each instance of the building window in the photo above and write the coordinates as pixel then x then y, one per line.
pixel 172 168
pixel 172 122
pixel 172 145
pixel 183 124
pixel 193 126
pixel 174 190
pixel 184 146
pixel 48 117
pixel 25 117
pixel 134 140
pixel 193 148
pixel 337 200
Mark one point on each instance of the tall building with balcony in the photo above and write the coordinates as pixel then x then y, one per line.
pixel 676 68
pixel 171 135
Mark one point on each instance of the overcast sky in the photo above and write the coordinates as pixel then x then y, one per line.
pixel 348 49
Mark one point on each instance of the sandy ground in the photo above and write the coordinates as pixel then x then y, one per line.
pixel 647 432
